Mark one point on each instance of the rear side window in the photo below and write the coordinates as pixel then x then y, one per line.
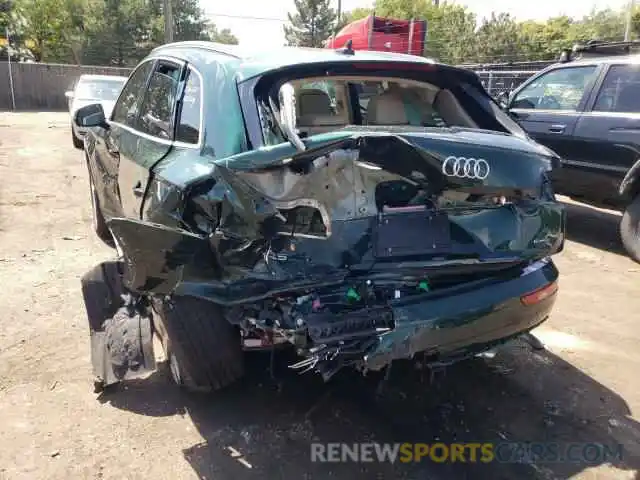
pixel 156 111
pixel 559 89
pixel 620 90
pixel 188 130
pixel 125 110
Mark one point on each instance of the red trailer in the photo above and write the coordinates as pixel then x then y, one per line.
pixel 383 34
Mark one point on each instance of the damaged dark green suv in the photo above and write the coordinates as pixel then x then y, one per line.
pixel 360 207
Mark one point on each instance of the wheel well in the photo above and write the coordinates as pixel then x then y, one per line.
pixel 632 189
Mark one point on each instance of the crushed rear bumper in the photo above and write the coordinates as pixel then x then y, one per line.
pixel 449 325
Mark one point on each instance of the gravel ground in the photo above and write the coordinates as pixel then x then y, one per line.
pixel 581 389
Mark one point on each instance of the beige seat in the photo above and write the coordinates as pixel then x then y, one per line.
pixel 314 113
pixel 313 102
pixel 451 111
pixel 387 109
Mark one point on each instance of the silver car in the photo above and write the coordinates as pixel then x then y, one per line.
pixel 90 89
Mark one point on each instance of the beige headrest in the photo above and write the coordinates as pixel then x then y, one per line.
pixel 387 109
pixel 313 102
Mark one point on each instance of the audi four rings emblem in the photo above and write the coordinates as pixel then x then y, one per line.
pixel 461 167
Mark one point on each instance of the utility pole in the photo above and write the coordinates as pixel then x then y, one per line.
pixel 627 30
pixel 168 21
pixel 13 95
pixel 436 3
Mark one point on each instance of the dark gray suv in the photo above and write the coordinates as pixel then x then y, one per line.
pixel 588 111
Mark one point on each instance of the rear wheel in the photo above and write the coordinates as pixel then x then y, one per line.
pixel 630 229
pixel 204 350
pixel 77 142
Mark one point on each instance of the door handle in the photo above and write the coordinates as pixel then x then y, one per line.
pixel 138 191
pixel 557 128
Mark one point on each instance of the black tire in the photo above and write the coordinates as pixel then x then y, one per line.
pixel 203 349
pixel 630 229
pixel 99 223
pixel 77 142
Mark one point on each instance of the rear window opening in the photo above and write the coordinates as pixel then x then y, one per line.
pixel 318 105
pixel 307 100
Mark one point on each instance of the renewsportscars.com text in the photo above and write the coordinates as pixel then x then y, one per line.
pixel 506 452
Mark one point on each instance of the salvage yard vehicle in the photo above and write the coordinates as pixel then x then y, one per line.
pixel 88 90
pixel 250 210
pixel 588 111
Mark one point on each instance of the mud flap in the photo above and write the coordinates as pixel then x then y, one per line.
pixel 121 330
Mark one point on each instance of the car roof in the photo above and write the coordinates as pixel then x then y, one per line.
pixel 254 61
pixel 87 76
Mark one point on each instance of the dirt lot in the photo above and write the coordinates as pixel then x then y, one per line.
pixel 585 388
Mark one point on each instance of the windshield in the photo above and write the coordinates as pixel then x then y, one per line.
pixel 102 89
pixel 312 106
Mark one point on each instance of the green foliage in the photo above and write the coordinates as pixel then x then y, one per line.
pixel 221 36
pixel 6 7
pixel 116 33
pixel 455 36
pixel 106 32
pixel 450 27
pixel 351 16
pixel 313 22
pixel 121 32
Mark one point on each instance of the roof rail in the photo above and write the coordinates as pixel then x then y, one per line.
pixel 598 48
pixel 224 49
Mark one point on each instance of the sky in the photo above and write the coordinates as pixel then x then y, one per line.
pixel 268 16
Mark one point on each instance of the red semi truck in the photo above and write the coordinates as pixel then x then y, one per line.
pixel 383 34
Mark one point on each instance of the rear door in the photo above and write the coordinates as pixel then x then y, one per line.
pixel 610 132
pixel 151 137
pixel 548 108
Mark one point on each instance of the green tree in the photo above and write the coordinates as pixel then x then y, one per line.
pixel 450 33
pixel 220 36
pixel 311 25
pixel 497 39
pixel 50 25
pixel 189 23
pixel 450 27
pixel 351 16
pixel 6 9
pixel 606 25
pixel 117 32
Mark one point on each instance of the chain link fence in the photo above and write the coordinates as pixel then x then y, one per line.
pixel 497 82
pixel 504 77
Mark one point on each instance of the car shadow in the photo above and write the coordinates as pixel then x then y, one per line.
pixel 594 227
pixel 263 427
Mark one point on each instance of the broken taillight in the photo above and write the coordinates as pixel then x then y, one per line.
pixel 540 294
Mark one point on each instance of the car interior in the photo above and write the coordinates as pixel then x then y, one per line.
pixel 319 106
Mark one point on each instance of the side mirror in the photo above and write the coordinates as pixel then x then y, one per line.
pixel 69 94
pixel 503 99
pixel 90 116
